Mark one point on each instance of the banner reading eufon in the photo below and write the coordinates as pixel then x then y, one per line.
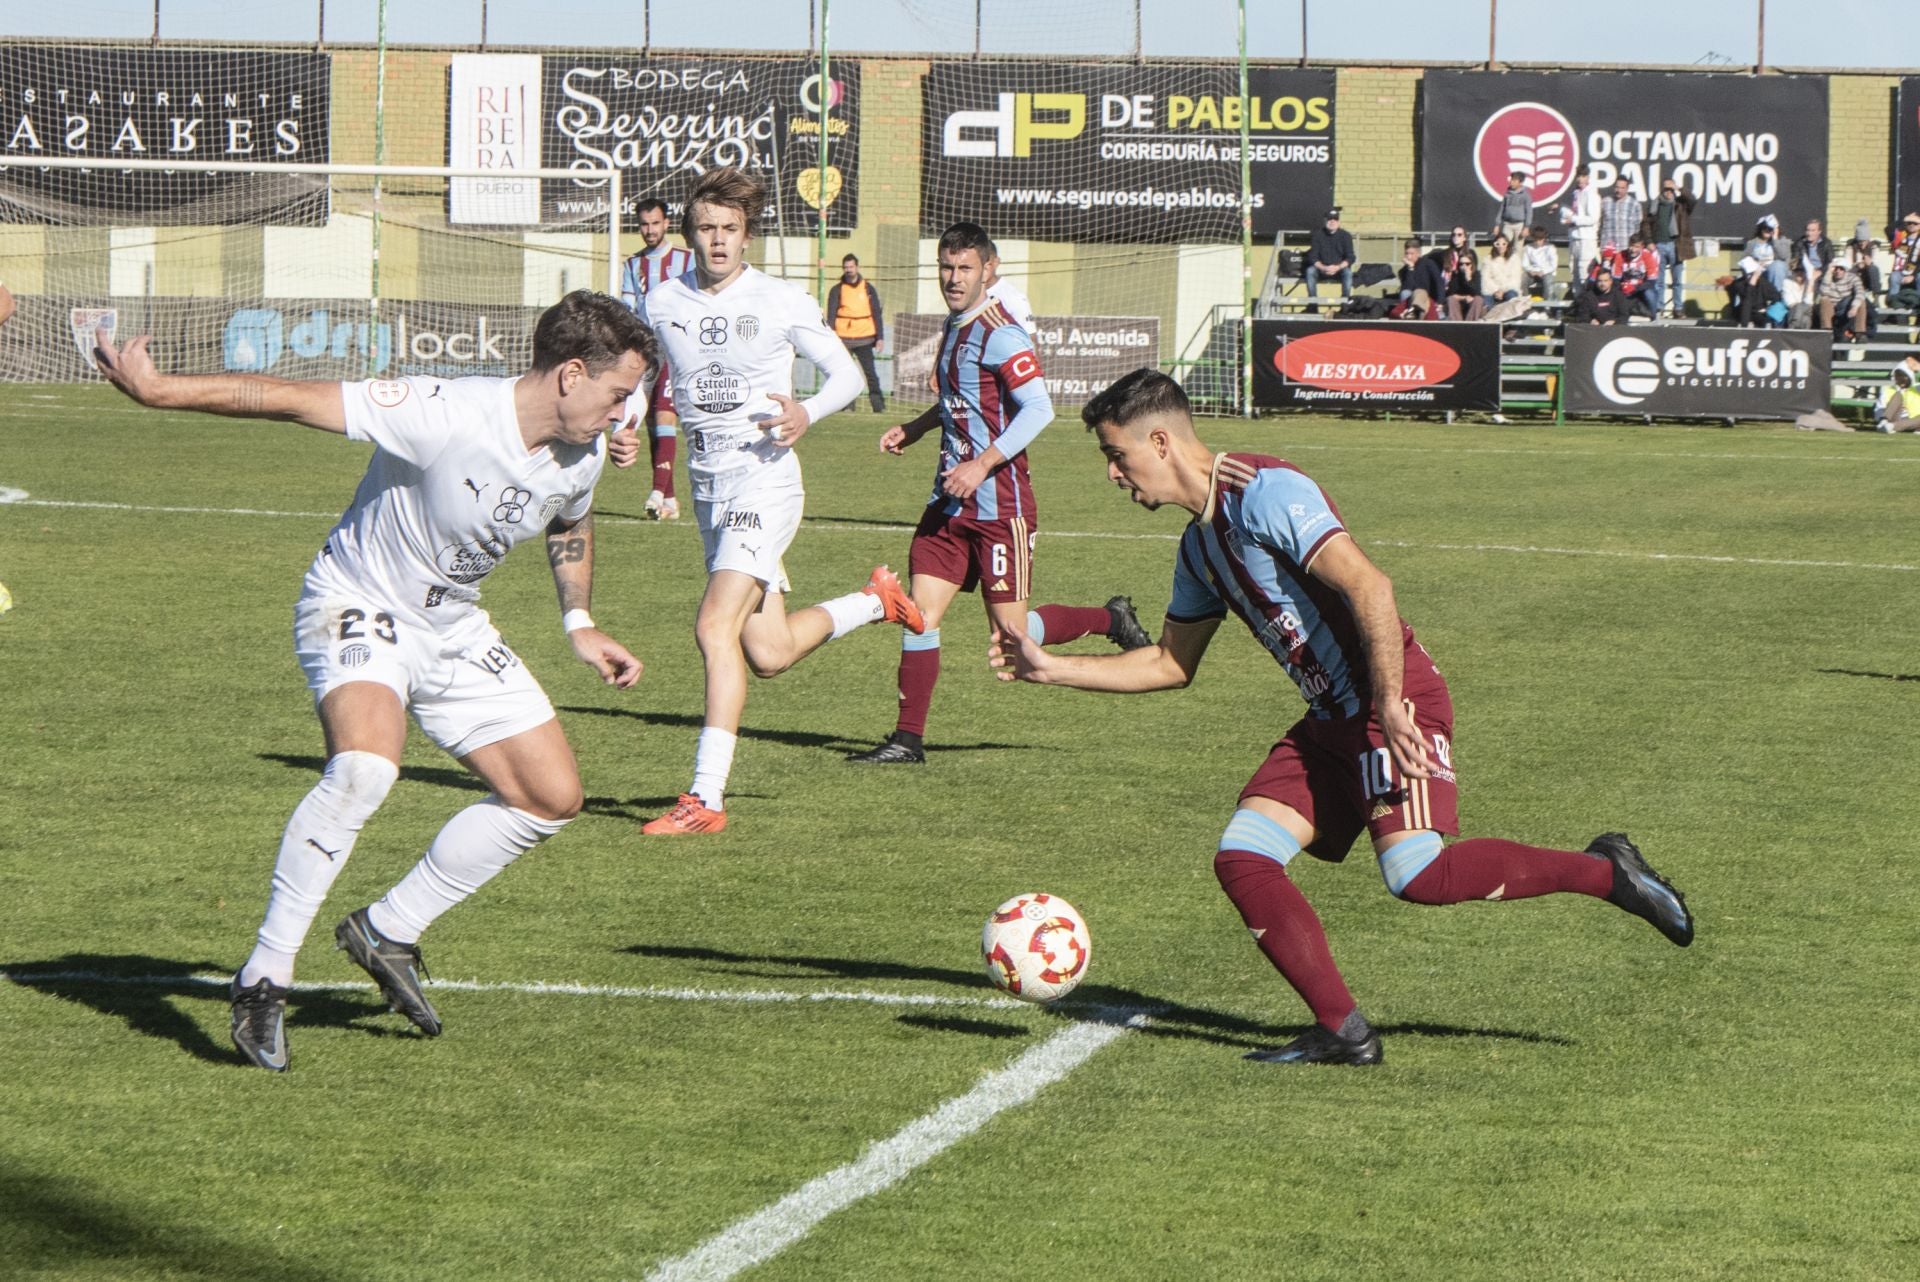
pixel 1080 356
pixel 162 104
pixel 1906 141
pixel 1697 372
pixel 1147 154
pixel 1376 365
pixel 1745 146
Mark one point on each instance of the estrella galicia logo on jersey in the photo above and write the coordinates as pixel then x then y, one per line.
pixel 717 389
pixel 470 562
pixel 386 392
pixel 512 505
pixel 355 655
pixel 747 327
pixel 742 521
pixel 713 331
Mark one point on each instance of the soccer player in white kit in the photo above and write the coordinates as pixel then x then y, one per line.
pixel 729 333
pixel 388 621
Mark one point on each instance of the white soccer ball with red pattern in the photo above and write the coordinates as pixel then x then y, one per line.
pixel 1036 947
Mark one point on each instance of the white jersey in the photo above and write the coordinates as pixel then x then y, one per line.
pixel 728 351
pixel 1008 295
pixel 450 489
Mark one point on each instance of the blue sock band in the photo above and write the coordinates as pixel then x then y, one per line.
pixel 1036 627
pixel 928 640
pixel 1407 859
pixel 1250 830
pixel 665 431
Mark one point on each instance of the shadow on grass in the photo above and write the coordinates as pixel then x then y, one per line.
pixel 1877 676
pixel 54 1222
pixel 792 738
pixel 1096 1002
pixel 972 1027
pixel 636 808
pixel 144 993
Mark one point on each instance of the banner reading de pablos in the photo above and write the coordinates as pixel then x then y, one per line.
pixel 1080 356
pixel 1743 145
pixel 1147 154
pixel 665 121
pixel 1376 365
pixel 1697 372
pixel 1906 142
pixel 179 106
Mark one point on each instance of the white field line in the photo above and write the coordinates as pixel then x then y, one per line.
pixel 764 1234
pixel 19 498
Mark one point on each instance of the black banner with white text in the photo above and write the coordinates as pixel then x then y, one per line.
pixel 1906 145
pixel 1696 371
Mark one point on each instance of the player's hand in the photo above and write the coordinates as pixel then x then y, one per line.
pixel 894 440
pixel 962 479
pixel 623 444
pixel 1015 656
pixel 1405 742
pixel 790 424
pixel 128 367
pixel 615 663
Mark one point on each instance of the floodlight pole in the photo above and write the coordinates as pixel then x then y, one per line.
pixel 1760 34
pixel 1246 219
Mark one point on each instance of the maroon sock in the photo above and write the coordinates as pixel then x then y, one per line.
pixel 1287 930
pixel 1071 622
pixel 664 450
pixel 919 670
pixel 1489 868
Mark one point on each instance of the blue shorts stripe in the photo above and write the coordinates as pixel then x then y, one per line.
pixel 1252 831
pixel 928 640
pixel 1407 859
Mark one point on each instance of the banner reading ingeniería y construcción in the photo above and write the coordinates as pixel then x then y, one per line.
pixel 1147 154
pixel 1745 146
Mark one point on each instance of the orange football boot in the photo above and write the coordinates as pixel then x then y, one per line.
pixel 689 814
pixel 885 584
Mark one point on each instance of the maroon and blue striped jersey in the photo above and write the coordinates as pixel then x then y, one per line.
pixel 991 394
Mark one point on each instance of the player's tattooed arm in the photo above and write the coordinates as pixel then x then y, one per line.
pixel 570 553
pixel 1341 565
pixel 130 368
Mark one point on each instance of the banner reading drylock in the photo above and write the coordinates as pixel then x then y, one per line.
pixel 665 121
pixel 1906 142
pixel 162 104
pixel 1080 356
pixel 1745 146
pixel 1696 372
pixel 1147 154
pixel 1376 365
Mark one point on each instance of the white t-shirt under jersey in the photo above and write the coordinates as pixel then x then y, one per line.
pixel 727 352
pixel 450 489
pixel 1008 295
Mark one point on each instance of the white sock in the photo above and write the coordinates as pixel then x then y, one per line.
pixel 854 610
pixel 712 763
pixel 476 843
pixel 314 848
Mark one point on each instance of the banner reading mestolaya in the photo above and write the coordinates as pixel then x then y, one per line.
pixel 1675 371
pixel 665 121
pixel 159 104
pixel 1147 154
pixel 1376 365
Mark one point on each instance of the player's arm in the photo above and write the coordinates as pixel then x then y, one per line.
pixel 570 553
pixel 1018 370
pixel 897 438
pixel 843 383
pixel 1341 565
pixel 1167 666
pixel 130 368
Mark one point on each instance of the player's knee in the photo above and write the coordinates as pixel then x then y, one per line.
pixel 554 803
pixel 1251 833
pixel 766 663
pixel 355 783
pixel 1402 863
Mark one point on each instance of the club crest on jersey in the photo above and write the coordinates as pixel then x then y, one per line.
pixel 747 327
pixel 551 508
pixel 355 655
pixel 387 392
pixel 717 389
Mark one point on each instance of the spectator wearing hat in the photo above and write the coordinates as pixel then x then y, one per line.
pixel 1752 297
pixel 1899 407
pixel 1843 304
pixel 1516 209
pixel 1764 248
pixel 1668 227
pixel 1330 253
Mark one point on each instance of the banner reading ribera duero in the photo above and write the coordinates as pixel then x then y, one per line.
pixel 1080 356
pixel 1147 154
pixel 1906 141
pixel 1376 365
pixel 1743 145
pixel 665 121
pixel 1684 371
pixel 178 106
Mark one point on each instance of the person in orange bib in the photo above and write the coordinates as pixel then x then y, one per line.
pixel 853 310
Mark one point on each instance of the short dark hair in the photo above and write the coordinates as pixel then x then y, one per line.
pixel 734 189
pixel 964 236
pixel 850 258
pixel 1136 395
pixel 594 328
pixel 651 202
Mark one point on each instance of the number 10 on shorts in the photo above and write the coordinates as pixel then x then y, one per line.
pixel 1376 774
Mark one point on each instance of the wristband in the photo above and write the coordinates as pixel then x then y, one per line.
pixel 574 620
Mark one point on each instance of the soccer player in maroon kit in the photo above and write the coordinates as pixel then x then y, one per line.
pixel 658 262
pixel 979 526
pixel 1375 748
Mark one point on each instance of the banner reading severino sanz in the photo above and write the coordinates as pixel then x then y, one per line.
pixel 665 121
pixel 1376 365
pixel 1906 141
pixel 162 104
pixel 1147 154
pixel 1745 146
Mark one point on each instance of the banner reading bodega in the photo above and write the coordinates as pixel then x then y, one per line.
pixel 1376 365
pixel 161 104
pixel 1147 154
pixel 1906 142
pixel 665 121
pixel 1743 145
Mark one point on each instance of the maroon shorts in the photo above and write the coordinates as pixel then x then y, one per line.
pixel 995 556
pixel 1340 776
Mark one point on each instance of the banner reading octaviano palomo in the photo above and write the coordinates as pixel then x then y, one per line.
pixel 1122 154
pixel 1686 371
pixel 1743 145
pixel 665 121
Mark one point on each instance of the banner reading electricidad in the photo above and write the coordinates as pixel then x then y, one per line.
pixel 663 122
pixel 1745 146
pixel 1685 371
pixel 1123 154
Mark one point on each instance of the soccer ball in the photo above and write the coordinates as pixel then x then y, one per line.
pixel 1036 947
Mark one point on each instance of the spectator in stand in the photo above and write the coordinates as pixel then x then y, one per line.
pixel 1860 255
pixel 1516 209
pixel 1899 407
pixel 1620 214
pixel 1601 304
pixel 1752 297
pixel 1799 300
pixel 1540 263
pixel 1421 283
pixel 1581 214
pixel 1843 304
pixel 1903 278
pixel 853 313
pixel 1765 249
pixel 1463 288
pixel 1668 227
pixel 1500 277
pixel 1813 253
pixel 1330 254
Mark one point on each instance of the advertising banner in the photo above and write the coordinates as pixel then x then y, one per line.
pixel 1697 372
pixel 1906 143
pixel 1143 154
pixel 1376 365
pixel 1079 355
pixel 493 122
pixel 665 121
pixel 1743 145
pixel 181 106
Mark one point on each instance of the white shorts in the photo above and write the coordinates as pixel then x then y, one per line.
pixel 750 532
pixel 462 684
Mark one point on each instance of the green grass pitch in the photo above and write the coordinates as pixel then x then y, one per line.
pixel 1704 637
